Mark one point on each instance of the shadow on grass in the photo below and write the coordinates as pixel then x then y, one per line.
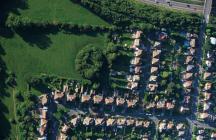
pixel 37 37
pixel 8 6
pixel 5 125
pixel 80 32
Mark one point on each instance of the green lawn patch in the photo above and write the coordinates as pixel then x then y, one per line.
pixel 59 11
pixel 37 52
pixel 32 53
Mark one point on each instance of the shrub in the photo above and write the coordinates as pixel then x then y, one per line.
pixel 89 62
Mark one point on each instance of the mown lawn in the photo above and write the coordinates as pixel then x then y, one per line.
pixel 59 10
pixel 33 52
pixel 37 52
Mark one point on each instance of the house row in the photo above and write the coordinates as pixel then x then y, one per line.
pixel 136 62
pixel 207 95
pixel 102 122
pixel 66 97
pixel 187 76
pixel 153 83
pixel 166 126
pixel 204 134
pixel 43 109
pixel 161 104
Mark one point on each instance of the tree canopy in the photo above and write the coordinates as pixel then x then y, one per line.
pixel 127 12
pixel 89 62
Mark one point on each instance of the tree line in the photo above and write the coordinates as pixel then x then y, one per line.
pixel 18 22
pixel 127 13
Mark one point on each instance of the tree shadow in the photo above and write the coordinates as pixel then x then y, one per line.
pixel 6 32
pixel 5 126
pixel 37 37
pixel 79 32
pixel 11 6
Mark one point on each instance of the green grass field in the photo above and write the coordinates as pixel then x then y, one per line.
pixel 28 58
pixel 59 10
pixel 34 52
pixel 31 53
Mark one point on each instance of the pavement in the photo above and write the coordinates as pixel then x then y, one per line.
pixel 207 10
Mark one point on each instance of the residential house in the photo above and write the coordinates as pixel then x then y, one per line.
pixel 203 115
pixel 43 99
pixel 160 104
pixel 130 122
pixel 180 126
pixel 110 122
pixel 206 106
pixel 156 53
pixel 162 126
pixel 138 53
pixel 71 97
pixel 170 105
pixel 121 121
pixel 97 99
pixel 58 96
pixel 190 68
pixel 120 101
pixel 153 78
pixel 213 135
pixel 139 123
pixel 208 86
pixel 154 70
pixel 155 61
pixel 109 100
pixel 137 35
pixel 206 75
pixel 187 84
pixel 85 98
pixel 65 129
pixel 208 63
pixel 99 121
pixel 150 105
pixel 136 78
pixel 193 42
pixel 146 124
pixel 192 51
pixel 131 103
pixel 88 121
pixel 187 76
pixel 152 87
pixel 74 122
pixel 170 125
pixel 189 59
pixel 184 109
pixel 137 70
pixel 207 96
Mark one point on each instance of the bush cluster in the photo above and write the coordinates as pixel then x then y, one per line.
pixel 16 22
pixel 126 13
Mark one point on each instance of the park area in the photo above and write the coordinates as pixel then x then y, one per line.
pixel 31 52
pixel 25 58
pixel 59 11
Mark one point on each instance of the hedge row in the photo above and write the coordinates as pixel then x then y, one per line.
pixel 17 22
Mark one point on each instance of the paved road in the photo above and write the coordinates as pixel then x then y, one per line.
pixel 176 5
pixel 207 10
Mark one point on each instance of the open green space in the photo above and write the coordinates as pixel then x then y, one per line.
pixel 34 52
pixel 59 11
